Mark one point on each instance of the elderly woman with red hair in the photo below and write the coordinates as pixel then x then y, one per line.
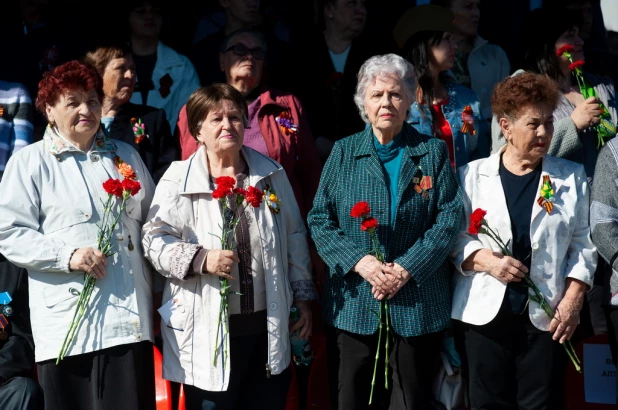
pixel 51 209
pixel 538 205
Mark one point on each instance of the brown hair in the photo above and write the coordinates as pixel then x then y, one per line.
pixel 205 99
pixel 514 93
pixel 68 76
pixel 100 57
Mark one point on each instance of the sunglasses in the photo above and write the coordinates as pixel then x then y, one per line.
pixel 258 53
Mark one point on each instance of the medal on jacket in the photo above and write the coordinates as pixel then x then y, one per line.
pixel 4 323
pixel 546 199
pixel 5 300
pixel 467 118
pixel 1 110
pixel 422 183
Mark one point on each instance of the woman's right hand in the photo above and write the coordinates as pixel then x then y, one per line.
pixel 90 260
pixel 375 272
pixel 587 114
pixel 220 262
pixel 504 268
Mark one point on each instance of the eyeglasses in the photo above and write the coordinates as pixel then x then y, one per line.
pixel 258 53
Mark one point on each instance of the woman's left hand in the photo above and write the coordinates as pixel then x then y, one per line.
pixel 566 317
pixel 304 324
pixel 397 282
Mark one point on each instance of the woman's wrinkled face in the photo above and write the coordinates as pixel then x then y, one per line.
pixel 77 114
pixel 442 55
pixel 223 129
pixel 467 16
pixel 571 37
pixel 349 15
pixel 119 79
pixel 247 67
pixel 386 103
pixel 146 21
pixel 531 132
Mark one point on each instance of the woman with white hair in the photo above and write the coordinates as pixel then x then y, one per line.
pixel 406 180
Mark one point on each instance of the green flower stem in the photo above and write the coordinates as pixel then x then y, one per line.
pixel 538 297
pixel 383 320
pixel 387 345
pixel 375 365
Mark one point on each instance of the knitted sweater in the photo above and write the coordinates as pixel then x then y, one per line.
pixel 16 115
pixel 604 212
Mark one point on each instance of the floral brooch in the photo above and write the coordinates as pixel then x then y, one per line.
pixel 139 130
pixel 125 169
pixel 546 199
pixel 272 200
pixel 285 123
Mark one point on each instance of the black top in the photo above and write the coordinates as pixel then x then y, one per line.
pixel 520 192
pixel 144 66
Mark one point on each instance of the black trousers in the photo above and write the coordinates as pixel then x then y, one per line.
pixel 21 393
pixel 412 361
pixel 249 387
pixel 119 377
pixel 510 364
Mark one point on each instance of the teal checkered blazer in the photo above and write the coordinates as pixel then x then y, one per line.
pixel 419 239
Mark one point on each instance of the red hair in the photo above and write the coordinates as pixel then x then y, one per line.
pixel 68 76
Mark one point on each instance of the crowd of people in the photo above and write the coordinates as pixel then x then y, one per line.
pixel 417 197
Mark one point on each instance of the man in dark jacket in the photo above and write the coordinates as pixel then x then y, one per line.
pixel 18 389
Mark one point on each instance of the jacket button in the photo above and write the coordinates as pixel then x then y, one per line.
pixel 457 148
pixel 87 215
pixel 273 306
pixel 94 158
pixel 535 245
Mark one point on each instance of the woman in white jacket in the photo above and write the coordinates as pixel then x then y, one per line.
pixel 268 270
pixel 511 346
pixel 51 206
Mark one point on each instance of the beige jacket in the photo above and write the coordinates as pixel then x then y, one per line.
pixel 184 218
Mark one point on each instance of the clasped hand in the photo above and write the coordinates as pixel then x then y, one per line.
pixel 385 278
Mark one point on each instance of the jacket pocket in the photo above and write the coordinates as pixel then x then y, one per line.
pixel 174 312
pixel 69 290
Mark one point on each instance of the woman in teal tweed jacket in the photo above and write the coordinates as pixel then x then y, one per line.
pixel 407 180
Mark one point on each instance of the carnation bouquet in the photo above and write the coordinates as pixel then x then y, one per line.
pixel 226 193
pixel 370 224
pixel 479 225
pixel 605 129
pixel 118 192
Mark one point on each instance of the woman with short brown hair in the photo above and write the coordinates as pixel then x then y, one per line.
pixel 511 346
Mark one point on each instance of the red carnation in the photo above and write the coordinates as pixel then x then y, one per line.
pixel 239 191
pixel 226 183
pixel 219 193
pixel 567 48
pixel 113 187
pixel 576 65
pixel 477 219
pixel 369 224
pixel 254 196
pixel 360 210
pixel 130 186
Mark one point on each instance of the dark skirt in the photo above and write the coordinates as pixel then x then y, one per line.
pixel 120 377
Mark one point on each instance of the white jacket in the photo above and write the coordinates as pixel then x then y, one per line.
pixel 183 217
pixel 184 81
pixel 560 241
pixel 50 200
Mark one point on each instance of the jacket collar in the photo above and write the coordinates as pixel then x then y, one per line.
pixel 478 43
pixel 166 57
pixel 197 177
pixel 56 144
pixel 551 166
pixel 413 147
pixel 413 144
